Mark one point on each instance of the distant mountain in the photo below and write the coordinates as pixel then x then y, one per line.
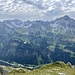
pixel 38 42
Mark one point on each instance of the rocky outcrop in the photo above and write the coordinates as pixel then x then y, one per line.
pixel 3 71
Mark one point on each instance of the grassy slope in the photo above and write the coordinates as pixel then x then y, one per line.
pixel 50 69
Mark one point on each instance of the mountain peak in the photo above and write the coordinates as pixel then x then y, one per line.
pixel 66 17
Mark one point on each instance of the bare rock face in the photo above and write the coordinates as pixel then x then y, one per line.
pixel 61 73
pixel 3 71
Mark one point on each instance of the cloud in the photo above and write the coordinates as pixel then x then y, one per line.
pixel 40 9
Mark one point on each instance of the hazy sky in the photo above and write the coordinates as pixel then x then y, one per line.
pixel 36 9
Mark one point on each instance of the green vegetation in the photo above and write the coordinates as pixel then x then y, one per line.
pixel 50 69
pixel 51 48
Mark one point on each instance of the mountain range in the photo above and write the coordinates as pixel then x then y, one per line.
pixel 38 42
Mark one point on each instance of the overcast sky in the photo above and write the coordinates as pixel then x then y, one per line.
pixel 36 9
